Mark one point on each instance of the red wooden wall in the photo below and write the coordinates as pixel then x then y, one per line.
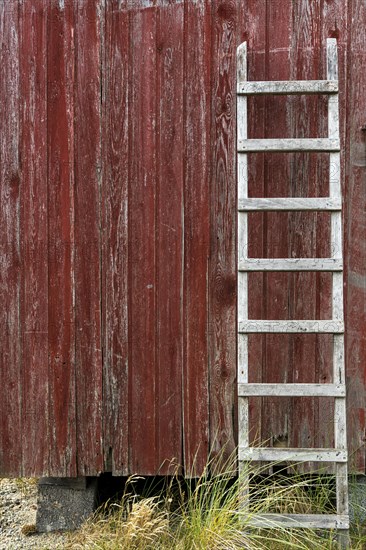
pixel 118 228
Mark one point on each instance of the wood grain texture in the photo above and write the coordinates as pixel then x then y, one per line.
pixel 87 169
pixel 324 326
pixel 242 248
pixel 295 455
pixel 197 156
pixel 340 413
pixel 287 144
pixel 293 390
pixel 305 521
pixel 290 264
pixel 289 203
pixel 310 235
pixel 288 87
pixel 253 31
pixel 169 236
pixel 60 165
pixel 10 243
pixel 222 306
pixel 115 264
pixel 277 182
pixel 334 24
pixel 34 229
pixel 281 64
pixel 353 109
pixel 143 410
pixel 159 69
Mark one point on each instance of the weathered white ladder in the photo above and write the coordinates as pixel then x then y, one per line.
pixel 333 203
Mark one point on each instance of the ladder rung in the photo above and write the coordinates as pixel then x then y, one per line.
pixel 288 87
pixel 305 521
pixel 287 144
pixel 291 264
pixel 274 454
pixel 292 390
pixel 254 204
pixel 258 326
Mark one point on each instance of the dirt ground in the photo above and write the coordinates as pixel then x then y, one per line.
pixel 18 507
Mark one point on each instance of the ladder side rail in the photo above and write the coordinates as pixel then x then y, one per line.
pixel 340 434
pixel 242 167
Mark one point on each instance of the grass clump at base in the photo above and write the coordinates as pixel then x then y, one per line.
pixel 211 513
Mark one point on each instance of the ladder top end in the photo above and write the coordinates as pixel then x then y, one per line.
pixel 242 48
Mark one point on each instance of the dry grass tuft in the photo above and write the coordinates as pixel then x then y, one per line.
pixel 212 513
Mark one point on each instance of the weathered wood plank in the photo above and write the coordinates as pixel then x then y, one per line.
pixel 351 39
pixel 115 263
pixel 197 157
pixel 169 236
pixel 288 144
pixel 87 166
pixel 60 155
pixel 303 521
pixel 308 357
pixel 305 326
pixel 292 390
pixel 10 242
pixel 288 203
pixel 340 413
pixel 291 264
pixel 252 30
pixel 243 298
pixel 294 455
pixel 143 319
pixel 268 60
pixel 34 228
pixel 222 268
pixel 288 87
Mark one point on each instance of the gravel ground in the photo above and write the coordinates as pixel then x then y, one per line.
pixel 18 506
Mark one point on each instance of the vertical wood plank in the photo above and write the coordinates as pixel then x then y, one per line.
pixel 276 412
pixel 311 21
pixel 334 23
pixel 169 235
pixel 87 139
pixel 60 151
pixel 308 117
pixel 115 197
pixel 222 265
pixel 34 228
pixel 142 236
pixel 355 227
pixel 10 260
pixel 251 29
pixel 197 124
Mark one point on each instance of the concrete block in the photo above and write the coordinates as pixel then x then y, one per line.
pixel 64 503
pixel 357 499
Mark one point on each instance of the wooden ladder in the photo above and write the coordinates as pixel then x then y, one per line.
pixel 335 326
